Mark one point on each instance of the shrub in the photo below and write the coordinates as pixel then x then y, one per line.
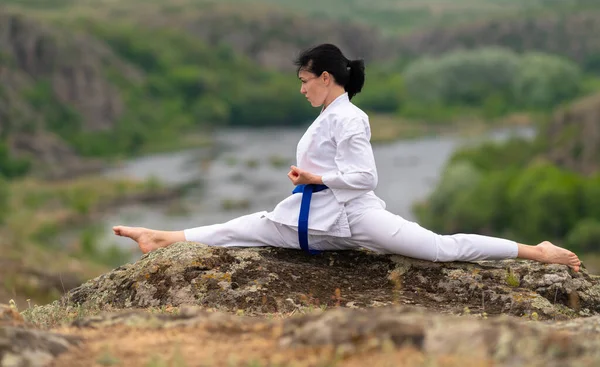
pixel 585 236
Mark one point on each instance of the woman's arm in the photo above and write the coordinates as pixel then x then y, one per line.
pixel 356 164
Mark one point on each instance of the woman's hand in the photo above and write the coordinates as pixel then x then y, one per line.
pixel 301 177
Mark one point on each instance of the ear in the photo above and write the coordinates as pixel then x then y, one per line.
pixel 326 77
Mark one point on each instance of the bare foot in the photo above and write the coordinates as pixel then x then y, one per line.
pixel 147 239
pixel 552 254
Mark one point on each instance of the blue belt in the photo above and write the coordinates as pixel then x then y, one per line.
pixel 306 191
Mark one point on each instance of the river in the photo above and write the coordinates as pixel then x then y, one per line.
pixel 247 172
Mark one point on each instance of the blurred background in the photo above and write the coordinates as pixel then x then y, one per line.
pixel 175 114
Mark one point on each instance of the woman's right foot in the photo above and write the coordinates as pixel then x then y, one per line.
pixel 147 239
pixel 552 254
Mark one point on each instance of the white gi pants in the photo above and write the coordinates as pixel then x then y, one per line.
pixel 374 229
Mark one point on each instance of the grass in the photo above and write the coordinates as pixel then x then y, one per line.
pixel 38 209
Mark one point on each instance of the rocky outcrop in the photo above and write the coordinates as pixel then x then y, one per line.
pixel 270 305
pixel 44 73
pixel 272 37
pixel 267 280
pixel 573 136
pixel 73 64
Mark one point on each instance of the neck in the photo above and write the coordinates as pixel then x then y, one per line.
pixel 335 93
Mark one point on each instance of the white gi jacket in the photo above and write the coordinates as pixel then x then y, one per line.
pixel 335 146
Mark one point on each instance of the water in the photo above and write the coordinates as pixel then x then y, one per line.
pixel 247 172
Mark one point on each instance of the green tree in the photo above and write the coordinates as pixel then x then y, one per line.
pixel 591 197
pixel 585 237
pixel 457 179
pixel 383 92
pixel 544 202
pixel 481 209
pixel 544 80
pixel 466 77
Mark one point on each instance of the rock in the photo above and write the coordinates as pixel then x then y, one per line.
pixel 505 340
pixel 499 341
pixel 269 280
pixel 31 348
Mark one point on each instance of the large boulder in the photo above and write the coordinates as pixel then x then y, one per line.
pixel 269 280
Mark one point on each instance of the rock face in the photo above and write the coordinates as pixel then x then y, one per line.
pixel 72 64
pixel 270 280
pixel 573 136
pixel 272 38
pixel 45 68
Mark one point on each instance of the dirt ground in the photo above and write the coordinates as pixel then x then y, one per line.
pixel 199 346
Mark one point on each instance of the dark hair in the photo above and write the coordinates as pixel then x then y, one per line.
pixel 350 74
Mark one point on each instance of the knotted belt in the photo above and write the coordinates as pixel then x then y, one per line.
pixel 307 191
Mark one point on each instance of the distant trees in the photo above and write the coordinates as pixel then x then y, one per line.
pixel 493 79
pixel 187 85
pixel 493 190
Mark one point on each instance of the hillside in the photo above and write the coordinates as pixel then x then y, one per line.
pixel 392 17
pixel 107 79
pixel 53 86
pixel 573 35
pixel 573 136
pixel 269 35
pixel 546 188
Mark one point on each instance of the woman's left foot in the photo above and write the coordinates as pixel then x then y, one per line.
pixel 552 254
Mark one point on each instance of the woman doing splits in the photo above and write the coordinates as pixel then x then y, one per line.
pixel 333 206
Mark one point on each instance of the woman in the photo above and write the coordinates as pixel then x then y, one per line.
pixel 335 160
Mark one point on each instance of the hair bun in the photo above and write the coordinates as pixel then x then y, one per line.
pixel 357 77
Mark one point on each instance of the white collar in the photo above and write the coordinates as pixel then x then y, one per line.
pixel 341 98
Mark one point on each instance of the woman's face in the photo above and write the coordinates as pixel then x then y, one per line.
pixel 314 88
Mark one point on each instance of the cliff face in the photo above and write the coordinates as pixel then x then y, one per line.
pixel 46 71
pixel 74 65
pixel 573 136
pixel 272 37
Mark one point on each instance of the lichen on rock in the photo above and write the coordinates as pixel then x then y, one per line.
pixel 271 280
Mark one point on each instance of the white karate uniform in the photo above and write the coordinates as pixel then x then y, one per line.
pixel 348 215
